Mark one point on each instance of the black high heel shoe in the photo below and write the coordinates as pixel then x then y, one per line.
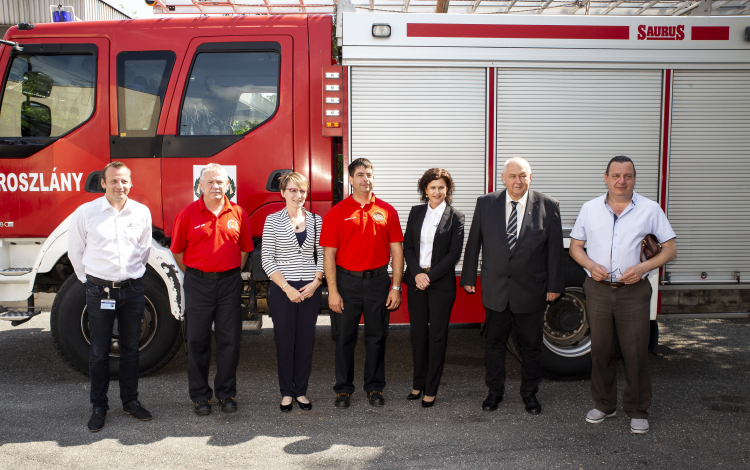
pixel 428 404
pixel 304 406
pixel 414 396
pixel 286 408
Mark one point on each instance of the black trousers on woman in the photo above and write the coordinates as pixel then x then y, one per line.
pixel 429 315
pixel 294 331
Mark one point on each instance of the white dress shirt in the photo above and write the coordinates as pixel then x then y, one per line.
pixel 615 242
pixel 427 236
pixel 107 244
pixel 520 210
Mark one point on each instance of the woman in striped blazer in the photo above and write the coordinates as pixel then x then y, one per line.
pixel 293 260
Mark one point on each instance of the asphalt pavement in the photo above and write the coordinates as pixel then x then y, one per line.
pixel 700 416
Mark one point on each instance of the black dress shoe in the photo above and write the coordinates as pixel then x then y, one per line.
pixel 135 409
pixel 376 398
pixel 427 404
pixel 342 400
pixel 228 405
pixel 414 396
pixel 532 404
pixel 96 422
pixel 286 408
pixel 305 406
pixel 490 403
pixel 202 407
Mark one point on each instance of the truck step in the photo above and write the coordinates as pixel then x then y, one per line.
pixel 15 271
pixel 254 324
pixel 19 315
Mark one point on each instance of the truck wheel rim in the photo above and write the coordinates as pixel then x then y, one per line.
pixel 566 328
pixel 149 325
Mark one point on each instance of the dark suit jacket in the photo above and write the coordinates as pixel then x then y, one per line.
pixel 522 277
pixel 446 248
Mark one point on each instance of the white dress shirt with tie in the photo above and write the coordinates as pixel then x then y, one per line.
pixel 107 244
pixel 520 210
pixel 427 236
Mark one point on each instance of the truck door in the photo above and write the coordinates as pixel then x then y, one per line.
pixel 54 129
pixel 232 106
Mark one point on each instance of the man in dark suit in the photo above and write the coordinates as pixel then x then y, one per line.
pixel 520 234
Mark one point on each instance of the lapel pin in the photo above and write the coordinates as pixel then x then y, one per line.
pixel 529 213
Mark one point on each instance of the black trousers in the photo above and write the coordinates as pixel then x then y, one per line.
pixel 130 302
pixel 294 331
pixel 210 301
pixel 528 328
pixel 429 315
pixel 368 297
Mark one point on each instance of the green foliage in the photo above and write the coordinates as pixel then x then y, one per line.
pixel 242 127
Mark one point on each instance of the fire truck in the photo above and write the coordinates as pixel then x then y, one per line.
pixel 264 89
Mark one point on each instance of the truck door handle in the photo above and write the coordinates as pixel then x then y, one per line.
pixel 272 185
pixel 93 182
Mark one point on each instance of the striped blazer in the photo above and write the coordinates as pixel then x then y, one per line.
pixel 281 251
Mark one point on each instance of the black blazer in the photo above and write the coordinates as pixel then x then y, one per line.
pixel 522 277
pixel 446 248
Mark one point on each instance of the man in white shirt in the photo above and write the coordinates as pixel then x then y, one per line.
pixel 109 241
pixel 618 295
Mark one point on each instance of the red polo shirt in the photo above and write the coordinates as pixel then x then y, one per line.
pixel 361 234
pixel 210 243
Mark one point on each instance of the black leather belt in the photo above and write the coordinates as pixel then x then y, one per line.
pixel 110 284
pixel 364 274
pixel 617 285
pixel 214 276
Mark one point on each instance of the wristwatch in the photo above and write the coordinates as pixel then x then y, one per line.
pixel 398 288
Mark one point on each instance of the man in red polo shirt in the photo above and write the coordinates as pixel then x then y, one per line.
pixel 211 241
pixel 360 235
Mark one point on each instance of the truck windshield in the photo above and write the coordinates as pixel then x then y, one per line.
pixel 47 95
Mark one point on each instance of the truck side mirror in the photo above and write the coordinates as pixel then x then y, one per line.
pixel 36 84
pixel 36 119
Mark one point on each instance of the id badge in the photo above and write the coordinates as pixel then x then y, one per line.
pixel 108 304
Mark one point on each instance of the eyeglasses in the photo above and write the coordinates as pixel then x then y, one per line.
pixel 295 191
pixel 615 275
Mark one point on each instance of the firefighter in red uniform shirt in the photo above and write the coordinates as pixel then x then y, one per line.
pixel 211 241
pixel 360 235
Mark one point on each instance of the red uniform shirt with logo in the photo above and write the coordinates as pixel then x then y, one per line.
pixel 210 243
pixel 361 234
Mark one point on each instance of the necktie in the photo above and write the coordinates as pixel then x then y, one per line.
pixel 512 223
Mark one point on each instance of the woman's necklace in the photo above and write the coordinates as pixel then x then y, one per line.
pixel 297 224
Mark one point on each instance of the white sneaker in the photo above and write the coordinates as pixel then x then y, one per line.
pixel 639 426
pixel 595 416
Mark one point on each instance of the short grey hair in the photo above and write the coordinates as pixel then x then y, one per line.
pixel 521 161
pixel 214 168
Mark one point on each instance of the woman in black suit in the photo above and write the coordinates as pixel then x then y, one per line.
pixel 433 242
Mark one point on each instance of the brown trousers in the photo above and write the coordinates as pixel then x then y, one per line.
pixel 620 315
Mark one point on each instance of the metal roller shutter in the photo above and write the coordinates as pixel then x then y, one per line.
pixel 709 170
pixel 568 123
pixel 408 119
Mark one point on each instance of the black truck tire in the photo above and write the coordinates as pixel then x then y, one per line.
pixel 566 350
pixel 159 342
pixel 570 362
